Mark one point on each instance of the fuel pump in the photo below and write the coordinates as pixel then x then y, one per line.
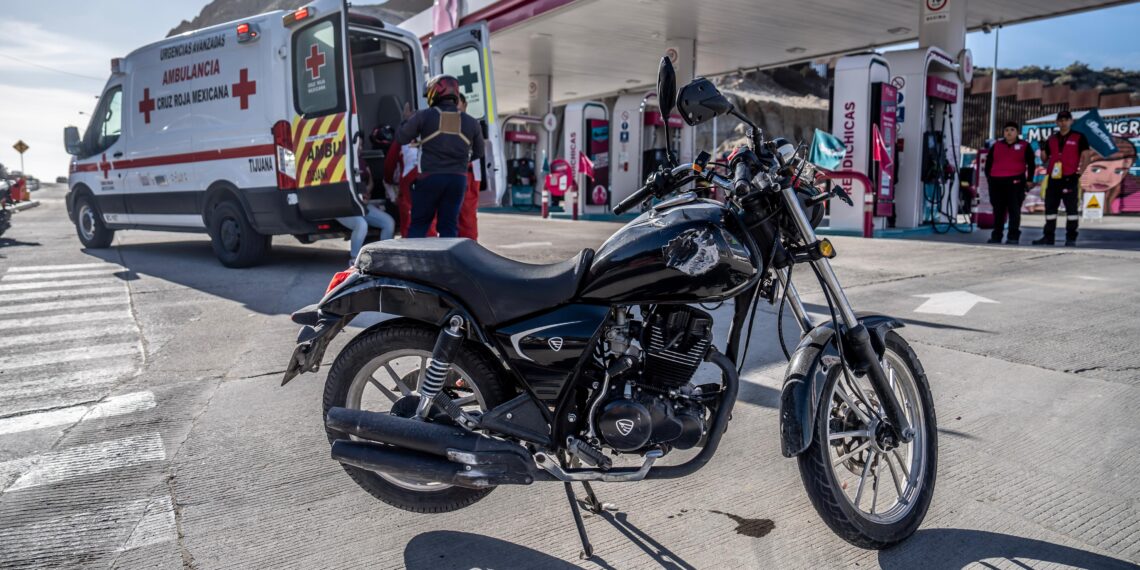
pixel 522 159
pixel 586 129
pixel 929 84
pixel 639 141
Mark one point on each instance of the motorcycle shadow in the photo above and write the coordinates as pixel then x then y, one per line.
pixel 960 548
pixel 445 550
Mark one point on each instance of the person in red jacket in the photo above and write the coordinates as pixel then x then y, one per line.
pixel 468 220
pixel 1065 156
pixel 1009 170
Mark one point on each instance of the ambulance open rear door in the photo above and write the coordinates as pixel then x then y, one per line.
pixel 320 133
pixel 465 53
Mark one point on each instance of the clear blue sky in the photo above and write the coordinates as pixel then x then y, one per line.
pixel 1102 38
pixel 55 57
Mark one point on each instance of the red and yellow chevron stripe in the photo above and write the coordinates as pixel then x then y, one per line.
pixel 320 145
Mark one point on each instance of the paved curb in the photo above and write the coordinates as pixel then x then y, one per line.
pixel 26 205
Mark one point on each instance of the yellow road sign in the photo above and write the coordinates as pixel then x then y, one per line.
pixel 20 146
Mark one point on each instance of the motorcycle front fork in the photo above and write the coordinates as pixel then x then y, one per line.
pixel 861 355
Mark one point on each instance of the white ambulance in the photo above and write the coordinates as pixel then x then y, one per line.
pixel 246 130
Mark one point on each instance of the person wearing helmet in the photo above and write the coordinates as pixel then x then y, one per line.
pixel 449 140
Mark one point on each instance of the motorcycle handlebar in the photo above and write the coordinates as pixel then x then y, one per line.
pixel 634 199
pixel 657 185
pixel 741 178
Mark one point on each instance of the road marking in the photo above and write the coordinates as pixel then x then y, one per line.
pixel 1090 278
pixel 67 267
pixel 9 363
pixel 956 303
pixel 74 283
pixel 62 319
pixel 34 384
pixel 40 295
pixel 69 304
pixel 74 540
pixel 59 275
pixel 113 406
pixel 38 340
pixel 156 526
pixel 83 460
pixel 525 244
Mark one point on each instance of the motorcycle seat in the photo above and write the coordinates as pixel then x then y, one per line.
pixel 495 289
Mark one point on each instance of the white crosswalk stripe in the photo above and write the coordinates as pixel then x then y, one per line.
pixel 67 267
pixel 17 362
pixel 68 304
pixel 113 406
pixel 9 299
pixel 57 371
pixel 87 334
pixel 86 273
pixel 82 460
pixel 64 284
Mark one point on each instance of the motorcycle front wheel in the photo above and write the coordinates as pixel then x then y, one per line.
pixel 870 494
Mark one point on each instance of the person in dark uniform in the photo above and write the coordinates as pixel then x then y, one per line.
pixel 1009 170
pixel 1065 155
pixel 449 141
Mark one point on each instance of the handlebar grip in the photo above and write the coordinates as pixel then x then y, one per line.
pixel 740 179
pixel 633 200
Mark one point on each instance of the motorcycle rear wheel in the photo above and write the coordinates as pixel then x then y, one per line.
pixel 383 365
pixel 846 465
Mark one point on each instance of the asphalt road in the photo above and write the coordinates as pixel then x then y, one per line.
pixel 142 421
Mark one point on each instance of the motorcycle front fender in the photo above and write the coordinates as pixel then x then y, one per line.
pixel 802 395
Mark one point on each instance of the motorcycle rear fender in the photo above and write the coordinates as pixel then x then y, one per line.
pixel 802 394
pixel 366 293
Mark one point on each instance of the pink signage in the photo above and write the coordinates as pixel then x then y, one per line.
pixel 943 89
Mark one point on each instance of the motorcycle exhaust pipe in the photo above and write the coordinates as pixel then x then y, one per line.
pixel 432 438
pixel 402 463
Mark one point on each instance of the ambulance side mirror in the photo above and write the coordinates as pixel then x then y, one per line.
pixel 71 140
pixel 700 101
pixel 666 87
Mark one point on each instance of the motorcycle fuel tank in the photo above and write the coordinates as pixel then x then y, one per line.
pixel 685 250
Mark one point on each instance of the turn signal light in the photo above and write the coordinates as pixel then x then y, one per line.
pixel 339 278
pixel 826 249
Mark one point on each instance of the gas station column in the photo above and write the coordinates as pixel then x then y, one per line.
pixel 683 52
pixel 538 105
pixel 943 25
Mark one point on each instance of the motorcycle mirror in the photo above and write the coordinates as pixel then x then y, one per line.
pixel 700 101
pixel 666 87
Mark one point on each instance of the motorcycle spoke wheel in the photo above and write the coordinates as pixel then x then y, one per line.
pixel 875 479
pixel 388 377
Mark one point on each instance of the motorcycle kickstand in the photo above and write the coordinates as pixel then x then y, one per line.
pixel 592 503
pixel 587 549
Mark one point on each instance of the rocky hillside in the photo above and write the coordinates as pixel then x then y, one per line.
pixel 1077 76
pixel 789 102
pixel 220 11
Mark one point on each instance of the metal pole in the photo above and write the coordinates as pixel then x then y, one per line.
pixel 714 138
pixel 993 86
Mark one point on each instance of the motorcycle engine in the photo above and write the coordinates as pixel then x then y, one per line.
pixel 659 405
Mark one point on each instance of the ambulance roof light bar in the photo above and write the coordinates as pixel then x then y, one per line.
pixel 298 15
pixel 118 66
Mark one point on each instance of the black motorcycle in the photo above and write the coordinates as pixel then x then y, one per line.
pixel 497 372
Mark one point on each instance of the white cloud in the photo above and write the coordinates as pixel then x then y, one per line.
pixel 37 116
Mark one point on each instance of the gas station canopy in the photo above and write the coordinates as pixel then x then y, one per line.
pixel 594 48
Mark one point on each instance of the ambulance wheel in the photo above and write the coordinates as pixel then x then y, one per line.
pixel 89 225
pixel 235 241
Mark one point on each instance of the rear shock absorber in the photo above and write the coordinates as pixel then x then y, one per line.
pixel 446 346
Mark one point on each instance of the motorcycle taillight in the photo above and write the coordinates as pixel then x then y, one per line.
pixel 339 278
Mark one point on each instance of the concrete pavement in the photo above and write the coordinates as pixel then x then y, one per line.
pixel 142 423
